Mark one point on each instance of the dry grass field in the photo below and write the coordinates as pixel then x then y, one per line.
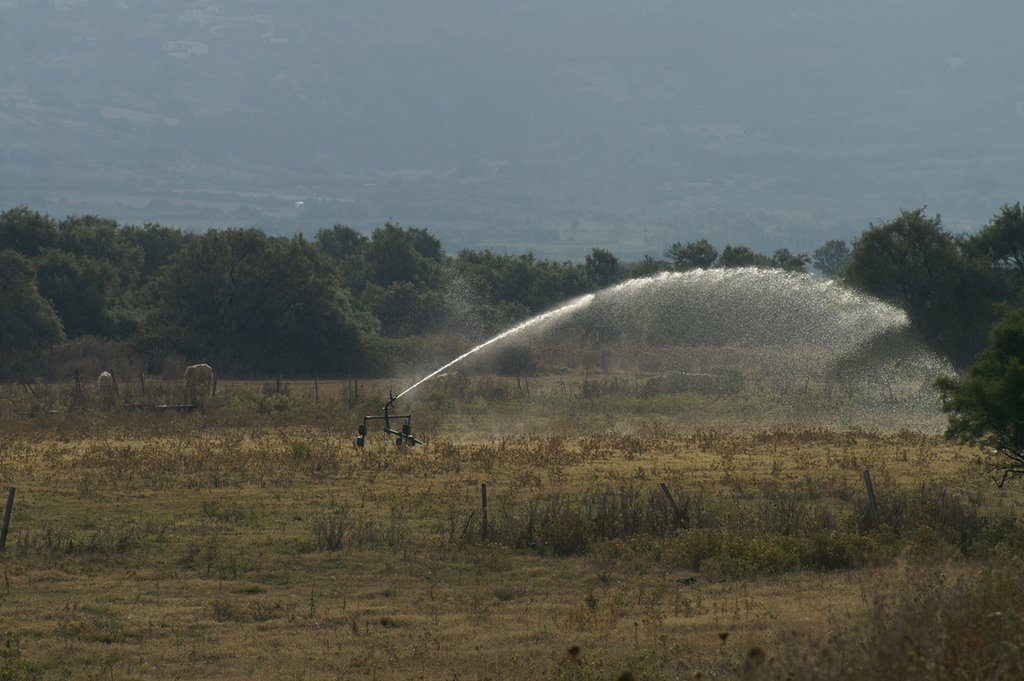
pixel 255 541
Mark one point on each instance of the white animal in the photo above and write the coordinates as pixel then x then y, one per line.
pixel 199 382
pixel 108 389
pixel 453 383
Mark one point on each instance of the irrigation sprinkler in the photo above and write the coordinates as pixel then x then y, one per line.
pixel 403 435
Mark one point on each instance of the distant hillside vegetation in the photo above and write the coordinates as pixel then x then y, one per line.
pixel 538 125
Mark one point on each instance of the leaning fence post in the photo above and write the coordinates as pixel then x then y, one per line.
pixel 871 493
pixel 483 507
pixel 7 519
pixel 682 519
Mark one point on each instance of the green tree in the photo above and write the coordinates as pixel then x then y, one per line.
pixel 602 268
pixel 986 405
pixel 26 231
pixel 647 267
pixel 741 256
pixel 294 305
pixel 102 240
pixel 915 264
pixel 694 255
pixel 84 292
pixel 403 310
pixel 257 304
pixel 347 249
pixel 92 277
pixel 784 260
pixel 398 254
pixel 341 242
pixel 494 277
pixel 832 257
pixel 159 246
pixel 519 284
pixel 27 320
pixel 1001 243
pixel 552 283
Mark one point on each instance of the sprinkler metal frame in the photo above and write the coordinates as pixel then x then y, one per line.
pixel 404 435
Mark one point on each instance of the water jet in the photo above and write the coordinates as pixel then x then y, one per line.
pixel 775 328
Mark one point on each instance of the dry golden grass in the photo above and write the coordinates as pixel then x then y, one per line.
pixel 255 541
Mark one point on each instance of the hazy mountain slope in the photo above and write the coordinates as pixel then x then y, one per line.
pixel 551 126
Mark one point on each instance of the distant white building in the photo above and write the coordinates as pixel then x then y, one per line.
pixel 186 48
pixel 251 22
pixel 203 16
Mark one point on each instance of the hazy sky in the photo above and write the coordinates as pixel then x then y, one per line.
pixel 552 126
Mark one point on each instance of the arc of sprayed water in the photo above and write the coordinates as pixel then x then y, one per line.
pixel 845 320
pixel 568 308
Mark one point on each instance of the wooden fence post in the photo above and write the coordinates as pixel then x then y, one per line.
pixel 352 390
pixel 483 505
pixel 871 493
pixel 682 517
pixel 7 519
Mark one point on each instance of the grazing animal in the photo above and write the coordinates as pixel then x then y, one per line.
pixel 453 383
pixel 199 383
pixel 108 389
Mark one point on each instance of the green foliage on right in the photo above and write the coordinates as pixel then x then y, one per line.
pixel 1001 242
pixel 912 262
pixel 986 405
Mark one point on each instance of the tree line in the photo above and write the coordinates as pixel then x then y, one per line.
pixel 254 304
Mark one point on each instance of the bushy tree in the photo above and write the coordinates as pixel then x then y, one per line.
pixel 396 254
pixel 519 281
pixel 647 267
pixel 694 255
pixel 783 259
pixel 27 320
pixel 1001 243
pixel 90 274
pixel 341 242
pixel 26 231
pixel 832 257
pixel 915 264
pixel 552 283
pixel 602 268
pixel 102 240
pixel 742 256
pixel 159 246
pixel 85 292
pixel 346 248
pixel 404 310
pixel 986 405
pixel 266 304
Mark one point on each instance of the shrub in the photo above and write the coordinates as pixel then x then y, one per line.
pixel 935 627
pixel 722 553
pixel 329 531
